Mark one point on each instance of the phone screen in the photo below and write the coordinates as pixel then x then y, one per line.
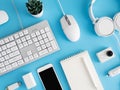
pixel 50 80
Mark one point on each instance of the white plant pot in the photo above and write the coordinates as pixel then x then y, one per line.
pixel 38 15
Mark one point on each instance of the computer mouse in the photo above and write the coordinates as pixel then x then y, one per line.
pixel 3 17
pixel 70 27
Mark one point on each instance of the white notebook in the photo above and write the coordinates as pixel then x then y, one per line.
pixel 80 72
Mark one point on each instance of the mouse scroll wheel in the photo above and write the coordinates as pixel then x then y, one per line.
pixel 68 21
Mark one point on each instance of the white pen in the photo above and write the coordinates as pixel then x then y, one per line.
pixel 91 75
pixel 114 72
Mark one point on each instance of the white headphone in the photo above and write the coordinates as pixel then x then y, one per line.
pixel 104 26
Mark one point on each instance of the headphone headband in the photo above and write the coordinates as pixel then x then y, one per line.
pixel 91 14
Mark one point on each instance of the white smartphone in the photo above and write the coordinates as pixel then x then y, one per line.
pixel 49 77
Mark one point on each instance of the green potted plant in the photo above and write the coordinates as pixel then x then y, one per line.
pixel 35 8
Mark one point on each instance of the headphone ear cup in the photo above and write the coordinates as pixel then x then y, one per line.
pixel 104 26
pixel 117 21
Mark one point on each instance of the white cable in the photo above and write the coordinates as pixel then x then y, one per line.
pixel 19 19
pixel 61 7
pixel 93 1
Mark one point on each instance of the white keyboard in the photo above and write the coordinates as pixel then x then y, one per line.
pixel 26 46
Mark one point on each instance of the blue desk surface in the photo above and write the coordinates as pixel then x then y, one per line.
pixel 88 41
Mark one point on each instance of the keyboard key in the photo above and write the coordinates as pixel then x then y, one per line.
pixel 35 39
pixel 16 36
pixel 33 35
pixel 42 31
pixel 31 57
pixel 20 46
pixel 43 46
pixel 20 62
pixel 11 38
pixel 48 45
pixel 44 35
pixel 35 55
pixel 6 57
pixel 41 42
pixel 25 32
pixel 2 59
pixel 12 54
pixel 26 59
pixel 47 29
pixel 3 53
pixel 8 51
pixel 46 40
pixel 37 44
pixel 29 53
pixel 2 42
pixel 6 40
pixel 43 52
pixel 14 48
pixel 27 37
pixel 30 42
pixel 49 36
pixel 9 67
pixel 14 64
pixel 8 45
pixel 53 44
pixel 19 57
pixel 25 44
pixel 18 41
pixel 6 63
pixel 16 53
pixel 21 34
pixel 1 65
pixel 2 70
pixel 39 37
pixel 39 48
pixel 23 39
pixel 4 47
pixel 37 33
pixel 11 44
pixel 50 49
pixel 11 60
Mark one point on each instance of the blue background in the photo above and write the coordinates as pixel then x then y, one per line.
pixel 88 41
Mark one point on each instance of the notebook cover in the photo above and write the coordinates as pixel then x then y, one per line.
pixel 80 72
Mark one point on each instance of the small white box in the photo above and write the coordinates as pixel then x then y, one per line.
pixel 105 55
pixel 29 80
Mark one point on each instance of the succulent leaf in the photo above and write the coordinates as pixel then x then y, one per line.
pixel 34 6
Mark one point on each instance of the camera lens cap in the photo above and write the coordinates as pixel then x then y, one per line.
pixel 109 53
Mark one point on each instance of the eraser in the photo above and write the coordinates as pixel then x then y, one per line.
pixel 13 86
pixel 29 80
